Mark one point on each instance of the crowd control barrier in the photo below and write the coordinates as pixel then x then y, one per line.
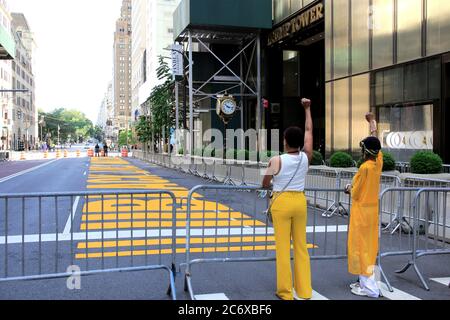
pixel 46 236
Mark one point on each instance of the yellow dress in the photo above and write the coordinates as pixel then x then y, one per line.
pixel 364 218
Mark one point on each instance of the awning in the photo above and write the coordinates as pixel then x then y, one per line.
pixel 7 45
pixel 222 15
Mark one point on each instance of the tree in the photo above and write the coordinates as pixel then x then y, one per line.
pixel 71 123
pixel 123 138
pixel 162 102
pixel 144 130
pixel 98 133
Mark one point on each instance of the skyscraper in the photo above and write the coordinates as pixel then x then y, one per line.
pixel 122 69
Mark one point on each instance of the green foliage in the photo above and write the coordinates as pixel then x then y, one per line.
pixel 209 152
pixel 73 124
pixel 359 163
pixel 341 160
pixel 231 154
pixel 254 156
pixel 162 101
pixel 388 162
pixel 144 130
pixel 198 152
pixel 426 162
pixel 123 138
pixel 243 155
pixel 317 159
pixel 98 133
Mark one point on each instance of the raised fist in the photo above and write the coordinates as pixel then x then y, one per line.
pixel 370 117
pixel 306 103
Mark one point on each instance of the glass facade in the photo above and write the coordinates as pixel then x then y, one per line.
pixel 385 56
pixel 284 8
pixel 382 55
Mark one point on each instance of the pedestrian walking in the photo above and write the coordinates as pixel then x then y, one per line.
pixel 105 149
pixel 97 150
pixel 289 211
pixel 364 219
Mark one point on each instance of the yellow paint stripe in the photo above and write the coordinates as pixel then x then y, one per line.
pixel 169 251
pixel 163 216
pixel 97 255
pixel 179 241
pixel 168 224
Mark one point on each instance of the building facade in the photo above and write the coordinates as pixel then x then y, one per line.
pixel 390 57
pixel 7 52
pixel 152 24
pixel 24 132
pixel 122 69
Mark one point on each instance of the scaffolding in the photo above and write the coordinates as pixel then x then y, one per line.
pixel 246 80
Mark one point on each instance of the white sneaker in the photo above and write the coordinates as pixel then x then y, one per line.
pixel 354 285
pixel 360 292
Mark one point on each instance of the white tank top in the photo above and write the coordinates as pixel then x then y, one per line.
pixel 289 164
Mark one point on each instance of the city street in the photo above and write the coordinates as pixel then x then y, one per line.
pixel 236 281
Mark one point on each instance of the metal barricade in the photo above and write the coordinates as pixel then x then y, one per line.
pixel 253 176
pixel 47 236
pixel 221 171
pixel 418 182
pixel 326 179
pixel 396 229
pixel 225 224
pixel 237 174
pixel 431 227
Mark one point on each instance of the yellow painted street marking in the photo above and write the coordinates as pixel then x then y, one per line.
pixel 179 241
pixel 154 211
pixel 168 224
pixel 162 216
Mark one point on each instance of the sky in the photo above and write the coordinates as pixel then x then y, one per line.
pixel 73 61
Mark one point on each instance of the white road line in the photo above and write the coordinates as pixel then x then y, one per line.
pixel 71 216
pixel 315 297
pixel 26 171
pixel 213 297
pixel 318 296
pixel 397 294
pixel 138 234
pixel 444 281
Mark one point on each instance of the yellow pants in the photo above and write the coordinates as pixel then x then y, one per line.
pixel 289 219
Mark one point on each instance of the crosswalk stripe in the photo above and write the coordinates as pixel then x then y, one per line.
pixel 213 297
pixel 397 294
pixel 444 281
pixel 317 296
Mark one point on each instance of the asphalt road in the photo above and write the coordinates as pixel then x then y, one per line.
pixel 65 216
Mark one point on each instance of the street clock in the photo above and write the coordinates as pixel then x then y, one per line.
pixel 226 107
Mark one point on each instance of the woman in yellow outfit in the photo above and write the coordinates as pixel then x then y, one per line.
pixel 364 217
pixel 289 212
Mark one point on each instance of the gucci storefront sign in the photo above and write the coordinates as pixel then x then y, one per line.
pixel 298 23
pixel 412 140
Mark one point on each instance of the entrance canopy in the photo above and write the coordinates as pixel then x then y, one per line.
pixel 7 46
pixel 222 15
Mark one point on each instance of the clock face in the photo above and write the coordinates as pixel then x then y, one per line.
pixel 228 107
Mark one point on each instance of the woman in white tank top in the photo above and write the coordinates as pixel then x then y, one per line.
pixel 289 211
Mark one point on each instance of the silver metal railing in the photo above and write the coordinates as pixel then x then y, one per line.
pixel 226 224
pixel 44 236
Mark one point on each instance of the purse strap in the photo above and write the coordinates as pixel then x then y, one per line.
pixel 290 181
